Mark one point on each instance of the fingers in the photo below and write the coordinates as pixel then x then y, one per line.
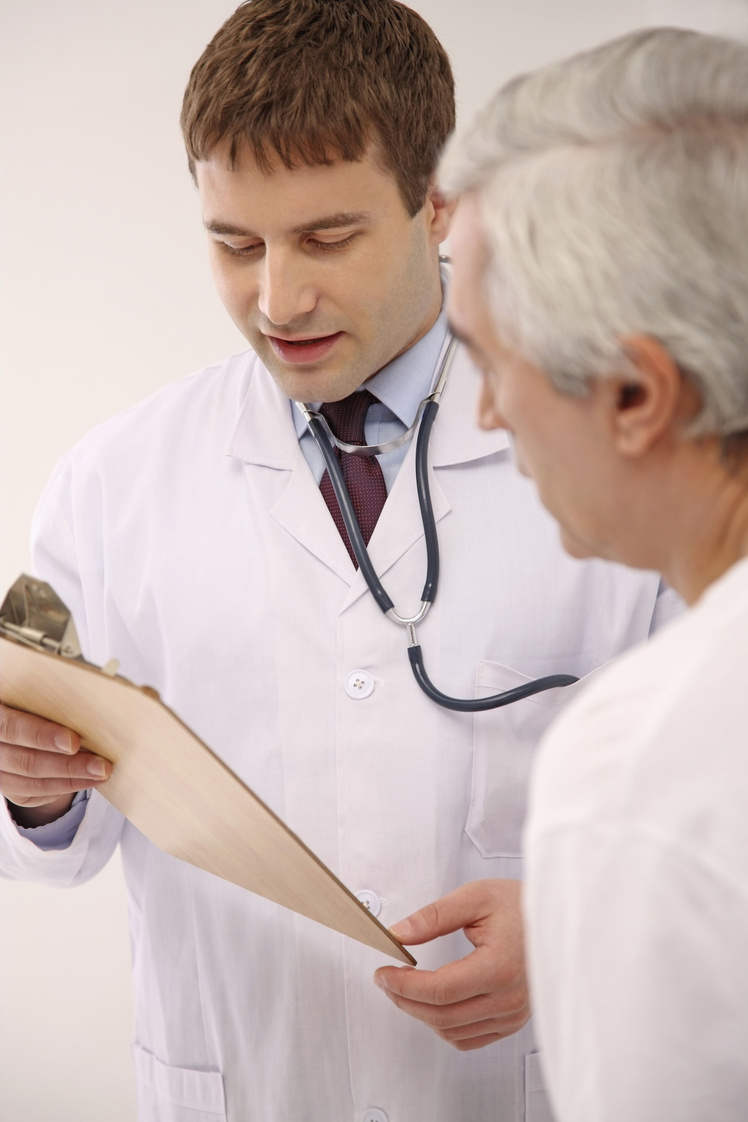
pixel 40 761
pixel 466 978
pixel 29 777
pixel 482 997
pixel 469 1024
pixel 478 1041
pixel 444 1000
pixel 29 731
pixel 484 972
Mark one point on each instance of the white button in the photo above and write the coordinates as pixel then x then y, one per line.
pixel 359 684
pixel 374 1114
pixel 371 901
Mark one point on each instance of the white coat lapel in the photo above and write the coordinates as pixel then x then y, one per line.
pixel 302 511
pixel 264 437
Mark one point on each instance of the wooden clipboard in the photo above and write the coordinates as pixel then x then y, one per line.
pixel 166 781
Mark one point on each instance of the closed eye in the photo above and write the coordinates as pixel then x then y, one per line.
pixel 314 243
pixel 331 245
pixel 240 250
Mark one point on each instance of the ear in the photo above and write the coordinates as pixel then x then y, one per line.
pixel 651 403
pixel 439 209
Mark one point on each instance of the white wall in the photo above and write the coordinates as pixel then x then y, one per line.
pixel 106 296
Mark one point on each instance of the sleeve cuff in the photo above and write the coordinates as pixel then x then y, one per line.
pixel 60 833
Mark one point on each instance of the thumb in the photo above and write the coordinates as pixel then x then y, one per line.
pixel 428 923
pixel 467 906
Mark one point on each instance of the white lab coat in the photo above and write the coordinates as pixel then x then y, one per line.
pixel 637 879
pixel 190 541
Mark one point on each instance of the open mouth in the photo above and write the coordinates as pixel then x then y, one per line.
pixel 305 342
pixel 304 350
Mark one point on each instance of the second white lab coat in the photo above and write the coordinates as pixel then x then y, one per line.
pixel 637 880
pixel 190 541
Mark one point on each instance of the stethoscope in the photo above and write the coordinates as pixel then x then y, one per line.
pixel 426 414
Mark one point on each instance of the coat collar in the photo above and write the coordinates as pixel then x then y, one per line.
pixel 265 437
pixel 456 438
pixel 265 434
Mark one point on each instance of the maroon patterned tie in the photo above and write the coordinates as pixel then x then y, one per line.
pixel 362 474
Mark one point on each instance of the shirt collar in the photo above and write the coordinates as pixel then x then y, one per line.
pixel 402 384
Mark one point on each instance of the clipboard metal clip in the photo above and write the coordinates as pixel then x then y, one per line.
pixel 34 614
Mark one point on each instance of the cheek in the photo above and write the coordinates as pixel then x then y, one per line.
pixel 574 545
pixel 227 281
pixel 220 280
pixel 566 487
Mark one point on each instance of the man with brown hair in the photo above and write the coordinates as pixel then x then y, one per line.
pixel 197 539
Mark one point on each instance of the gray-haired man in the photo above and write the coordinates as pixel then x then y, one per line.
pixel 601 282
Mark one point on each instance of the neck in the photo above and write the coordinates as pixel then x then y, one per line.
pixel 712 520
pixel 431 314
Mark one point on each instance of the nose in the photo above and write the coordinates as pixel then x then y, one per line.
pixel 285 289
pixel 489 414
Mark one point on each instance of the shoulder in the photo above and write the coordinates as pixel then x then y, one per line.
pixel 657 738
pixel 206 397
pixel 174 432
pixel 193 412
pixel 666 674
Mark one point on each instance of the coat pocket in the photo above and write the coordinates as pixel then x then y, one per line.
pixel 504 743
pixel 176 1094
pixel 537 1104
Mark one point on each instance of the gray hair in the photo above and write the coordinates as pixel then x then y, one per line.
pixel 613 190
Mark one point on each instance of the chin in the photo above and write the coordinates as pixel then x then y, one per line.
pixel 311 383
pixel 574 546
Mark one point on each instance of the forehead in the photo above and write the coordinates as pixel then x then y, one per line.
pixel 299 192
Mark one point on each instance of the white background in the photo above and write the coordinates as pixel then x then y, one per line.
pixel 105 297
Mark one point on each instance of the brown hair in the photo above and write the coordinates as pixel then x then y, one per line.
pixel 316 80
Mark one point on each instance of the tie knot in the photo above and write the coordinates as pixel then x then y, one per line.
pixel 346 418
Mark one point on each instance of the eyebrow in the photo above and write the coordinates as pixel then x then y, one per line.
pixel 328 222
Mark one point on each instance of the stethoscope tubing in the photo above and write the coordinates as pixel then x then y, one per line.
pixel 349 516
pixel 424 501
pixel 383 600
pixel 481 704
